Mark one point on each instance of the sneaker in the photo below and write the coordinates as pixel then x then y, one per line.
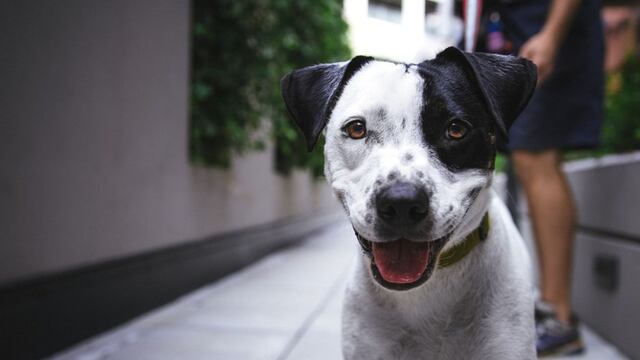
pixel 543 310
pixel 555 337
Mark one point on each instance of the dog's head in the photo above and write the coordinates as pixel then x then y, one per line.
pixel 410 148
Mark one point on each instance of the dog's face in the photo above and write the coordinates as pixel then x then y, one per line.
pixel 409 147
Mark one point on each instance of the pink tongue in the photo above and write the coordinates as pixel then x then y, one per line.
pixel 401 261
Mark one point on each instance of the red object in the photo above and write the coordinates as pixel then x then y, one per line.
pixel 401 261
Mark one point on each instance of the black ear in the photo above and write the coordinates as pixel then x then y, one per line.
pixel 311 93
pixel 505 82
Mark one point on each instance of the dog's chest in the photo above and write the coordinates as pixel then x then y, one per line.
pixel 425 327
pixel 465 332
pixel 439 332
pixel 437 340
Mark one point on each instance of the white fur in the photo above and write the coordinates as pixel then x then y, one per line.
pixel 479 308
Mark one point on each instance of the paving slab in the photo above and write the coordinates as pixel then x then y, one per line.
pixel 285 307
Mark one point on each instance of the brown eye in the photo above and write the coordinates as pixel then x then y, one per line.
pixel 356 129
pixel 457 130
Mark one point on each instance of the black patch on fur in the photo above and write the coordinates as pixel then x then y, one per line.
pixel 505 83
pixel 368 218
pixel 373 137
pixel 311 93
pixel 486 92
pixel 473 193
pixel 382 114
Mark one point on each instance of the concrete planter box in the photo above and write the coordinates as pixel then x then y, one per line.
pixel 606 266
pixel 606 286
pixel 607 192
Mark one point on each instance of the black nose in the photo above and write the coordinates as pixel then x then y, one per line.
pixel 402 204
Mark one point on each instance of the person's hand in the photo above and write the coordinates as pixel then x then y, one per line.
pixel 541 49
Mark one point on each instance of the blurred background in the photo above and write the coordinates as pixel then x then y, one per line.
pixel 146 154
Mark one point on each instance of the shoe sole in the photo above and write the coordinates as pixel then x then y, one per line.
pixel 572 348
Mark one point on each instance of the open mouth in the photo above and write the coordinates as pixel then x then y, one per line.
pixel 402 264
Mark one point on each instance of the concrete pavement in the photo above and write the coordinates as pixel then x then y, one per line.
pixel 285 307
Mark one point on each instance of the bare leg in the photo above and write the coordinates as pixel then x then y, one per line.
pixel 553 216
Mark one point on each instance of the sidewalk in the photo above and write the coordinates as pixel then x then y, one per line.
pixel 285 307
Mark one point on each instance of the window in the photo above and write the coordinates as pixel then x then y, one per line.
pixel 389 10
pixel 430 7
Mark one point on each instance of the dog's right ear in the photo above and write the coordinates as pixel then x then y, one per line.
pixel 311 93
pixel 505 82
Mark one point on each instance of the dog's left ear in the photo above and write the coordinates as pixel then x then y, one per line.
pixel 505 82
pixel 311 93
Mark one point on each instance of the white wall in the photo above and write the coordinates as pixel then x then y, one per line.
pixel 93 140
pixel 407 40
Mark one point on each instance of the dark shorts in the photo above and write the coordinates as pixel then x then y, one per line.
pixel 566 111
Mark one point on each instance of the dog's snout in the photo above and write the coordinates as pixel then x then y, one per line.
pixel 402 204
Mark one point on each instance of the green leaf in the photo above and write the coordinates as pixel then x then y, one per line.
pixel 240 51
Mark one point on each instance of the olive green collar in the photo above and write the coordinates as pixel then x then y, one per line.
pixel 459 251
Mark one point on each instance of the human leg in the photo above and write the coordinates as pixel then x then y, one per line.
pixel 553 217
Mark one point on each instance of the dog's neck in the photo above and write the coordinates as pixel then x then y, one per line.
pixel 472 218
pixel 464 247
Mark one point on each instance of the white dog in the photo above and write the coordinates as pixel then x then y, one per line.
pixel 410 154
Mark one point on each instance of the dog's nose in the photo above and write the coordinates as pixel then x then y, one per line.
pixel 402 204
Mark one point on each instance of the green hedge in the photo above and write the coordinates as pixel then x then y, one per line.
pixel 240 51
pixel 621 127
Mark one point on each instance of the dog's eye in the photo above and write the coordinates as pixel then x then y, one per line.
pixel 356 129
pixel 457 129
